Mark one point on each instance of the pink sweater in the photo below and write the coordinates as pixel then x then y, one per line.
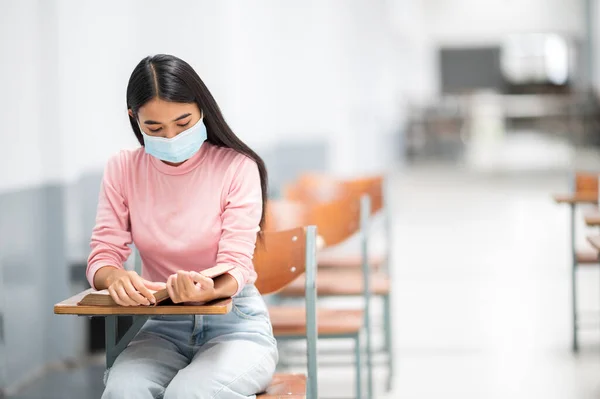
pixel 199 214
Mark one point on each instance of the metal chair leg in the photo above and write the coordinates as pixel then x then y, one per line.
pixel 387 326
pixel 114 346
pixel 110 339
pixel 574 309
pixel 574 282
pixel 358 365
pixel 369 349
pixel 365 212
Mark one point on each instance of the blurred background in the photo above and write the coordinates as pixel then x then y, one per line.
pixel 476 109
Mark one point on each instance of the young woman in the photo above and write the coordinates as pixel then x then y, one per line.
pixel 190 198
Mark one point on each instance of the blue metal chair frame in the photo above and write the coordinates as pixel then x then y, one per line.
pixel 387 301
pixel 312 337
pixel 365 214
pixel 365 211
pixel 574 264
pixel 386 298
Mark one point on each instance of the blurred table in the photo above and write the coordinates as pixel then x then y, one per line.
pixel 579 198
pixel 592 219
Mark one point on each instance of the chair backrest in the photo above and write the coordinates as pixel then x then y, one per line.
pixel 279 258
pixel 586 183
pixel 371 186
pixel 284 215
pixel 313 188
pixel 336 220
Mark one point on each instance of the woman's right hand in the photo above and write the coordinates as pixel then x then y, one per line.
pixel 127 288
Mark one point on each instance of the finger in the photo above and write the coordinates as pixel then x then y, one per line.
pixel 124 297
pixel 199 277
pixel 153 285
pixel 202 280
pixel 181 284
pixel 139 285
pixel 174 286
pixel 115 296
pixel 171 289
pixel 189 285
pixel 134 295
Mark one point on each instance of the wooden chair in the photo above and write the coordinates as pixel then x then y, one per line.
pixel 584 190
pixel 315 188
pixel 343 218
pixel 280 257
pixel 333 268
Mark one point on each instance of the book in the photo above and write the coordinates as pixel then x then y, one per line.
pixel 103 298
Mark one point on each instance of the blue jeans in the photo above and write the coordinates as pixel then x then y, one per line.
pixel 229 356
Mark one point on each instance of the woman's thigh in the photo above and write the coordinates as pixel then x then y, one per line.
pixel 226 367
pixel 236 353
pixel 144 368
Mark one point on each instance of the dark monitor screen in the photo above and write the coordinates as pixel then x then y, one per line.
pixel 463 70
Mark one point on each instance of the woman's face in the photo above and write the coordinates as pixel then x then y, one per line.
pixel 166 119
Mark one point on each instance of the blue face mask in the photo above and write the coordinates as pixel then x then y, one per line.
pixel 179 148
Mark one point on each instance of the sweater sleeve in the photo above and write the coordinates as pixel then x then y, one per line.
pixel 240 222
pixel 111 235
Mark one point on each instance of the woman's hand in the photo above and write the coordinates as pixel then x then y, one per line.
pixel 185 286
pixel 127 288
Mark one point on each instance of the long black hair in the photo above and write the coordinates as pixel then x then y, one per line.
pixel 172 79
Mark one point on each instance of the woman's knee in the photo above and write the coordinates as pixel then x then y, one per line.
pixel 198 387
pixel 119 386
pixel 210 386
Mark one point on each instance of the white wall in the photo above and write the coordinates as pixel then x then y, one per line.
pixel 291 71
pixel 595 18
pixel 281 71
pixel 28 136
pixel 474 21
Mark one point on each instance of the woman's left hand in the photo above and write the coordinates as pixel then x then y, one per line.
pixel 185 286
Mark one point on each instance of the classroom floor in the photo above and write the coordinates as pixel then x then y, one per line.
pixel 483 290
pixel 481 296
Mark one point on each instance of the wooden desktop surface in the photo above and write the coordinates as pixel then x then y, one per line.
pixel 578 198
pixel 592 219
pixel 69 306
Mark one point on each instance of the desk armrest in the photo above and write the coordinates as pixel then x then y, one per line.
pixel 592 219
pixel 578 198
pixel 69 306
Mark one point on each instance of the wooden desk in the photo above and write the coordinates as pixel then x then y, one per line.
pixel 578 198
pixel 69 306
pixel 140 314
pixel 592 219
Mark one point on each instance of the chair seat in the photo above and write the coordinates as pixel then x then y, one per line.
pixel 340 283
pixel 288 386
pixel 291 321
pixel 348 261
pixel 587 257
